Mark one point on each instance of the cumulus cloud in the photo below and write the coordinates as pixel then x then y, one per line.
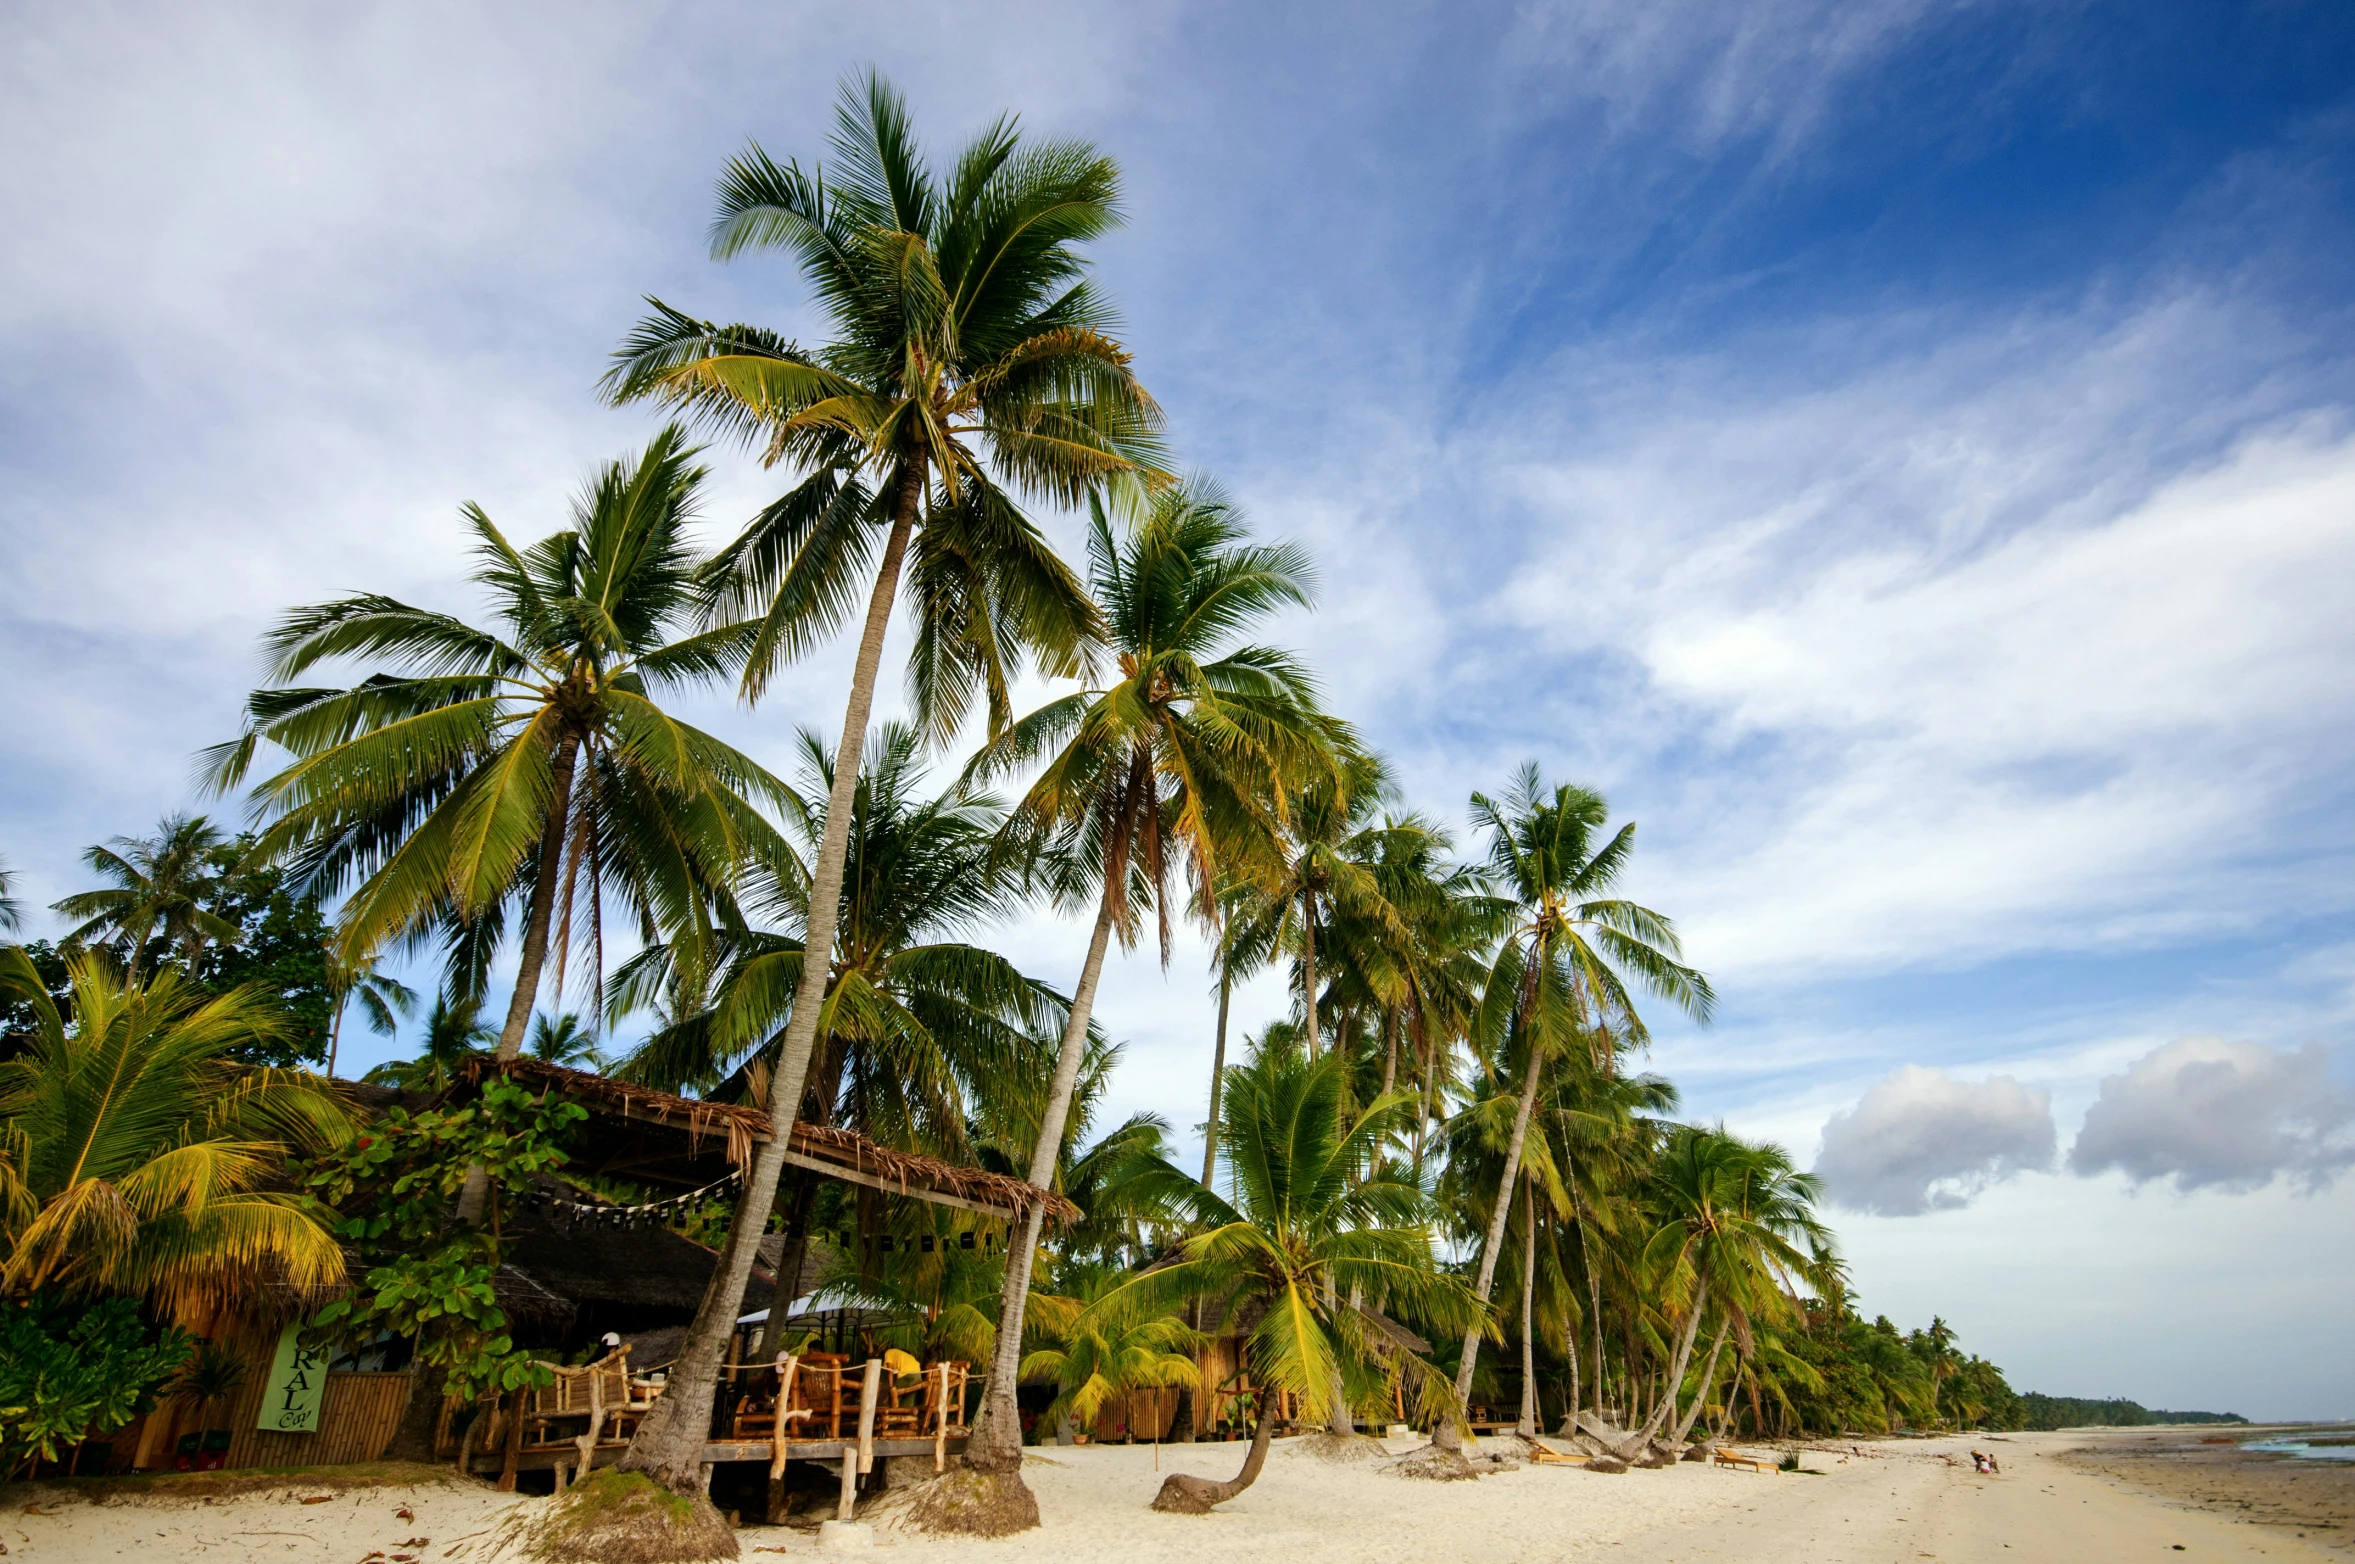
pixel 1919 1140
pixel 2213 1114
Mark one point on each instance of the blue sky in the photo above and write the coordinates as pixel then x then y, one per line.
pixel 1901 452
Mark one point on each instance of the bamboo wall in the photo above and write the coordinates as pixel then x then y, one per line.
pixel 358 1417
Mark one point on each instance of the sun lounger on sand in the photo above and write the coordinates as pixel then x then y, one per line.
pixel 1539 1455
pixel 1736 1458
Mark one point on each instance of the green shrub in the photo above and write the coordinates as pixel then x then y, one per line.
pixel 71 1371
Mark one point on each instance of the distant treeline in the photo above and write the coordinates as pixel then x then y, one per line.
pixel 2048 1412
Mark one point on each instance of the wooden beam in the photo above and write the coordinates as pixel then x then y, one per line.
pixel 846 1507
pixel 851 1175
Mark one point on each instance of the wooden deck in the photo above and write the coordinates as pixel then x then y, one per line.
pixel 718 1452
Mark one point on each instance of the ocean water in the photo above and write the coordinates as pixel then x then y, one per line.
pixel 2333 1446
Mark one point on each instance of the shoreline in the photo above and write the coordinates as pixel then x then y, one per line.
pixel 2195 1465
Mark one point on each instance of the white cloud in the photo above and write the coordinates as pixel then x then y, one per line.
pixel 1920 1141
pixel 2215 1114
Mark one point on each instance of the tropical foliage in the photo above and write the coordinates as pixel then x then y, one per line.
pixel 140 1158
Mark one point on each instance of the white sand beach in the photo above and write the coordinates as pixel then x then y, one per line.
pixel 1896 1501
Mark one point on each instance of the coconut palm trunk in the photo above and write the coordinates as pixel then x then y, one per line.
pixel 669 1444
pixel 543 909
pixel 1527 1426
pixel 1308 966
pixel 1184 1495
pixel 1684 1424
pixel 1218 1074
pixel 996 1443
pixel 475 1194
pixel 1494 1242
pixel 1665 1402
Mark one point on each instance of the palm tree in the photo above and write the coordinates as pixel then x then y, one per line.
pixel 528 763
pixel 565 1040
pixel 1315 1226
pixel 137 1157
pixel 11 917
pixel 1557 979
pixel 1737 1231
pixel 454 1033
pixel 1316 868
pixel 966 347
pixel 159 885
pixel 1164 766
pixel 385 1001
pixel 1099 1351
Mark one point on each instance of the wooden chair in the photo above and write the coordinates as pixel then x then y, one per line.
pixel 926 1403
pixel 1724 1457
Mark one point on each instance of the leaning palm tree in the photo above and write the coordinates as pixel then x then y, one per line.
pixel 1314 1227
pixel 1558 977
pixel 967 353
pixel 528 764
pixel 1160 770
pixel 158 890
pixel 136 1155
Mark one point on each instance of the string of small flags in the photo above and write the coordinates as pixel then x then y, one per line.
pixel 660 1213
pixel 654 1213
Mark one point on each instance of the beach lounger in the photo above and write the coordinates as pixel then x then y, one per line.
pixel 1736 1458
pixel 1539 1455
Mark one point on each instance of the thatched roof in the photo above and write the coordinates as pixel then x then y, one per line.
pixel 653 1137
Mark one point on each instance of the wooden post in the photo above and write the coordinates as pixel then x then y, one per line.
pixel 868 1395
pixel 940 1433
pixel 849 1502
pixel 514 1442
pixel 789 1370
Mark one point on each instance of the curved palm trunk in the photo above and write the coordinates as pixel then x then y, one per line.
pixel 997 1439
pixel 1185 1495
pixel 668 1445
pixel 476 1192
pixel 1218 1080
pixel 1389 1050
pixel 1496 1221
pixel 1666 1401
pixel 1527 1426
pixel 1684 1424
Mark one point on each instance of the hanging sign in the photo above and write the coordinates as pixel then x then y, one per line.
pixel 298 1384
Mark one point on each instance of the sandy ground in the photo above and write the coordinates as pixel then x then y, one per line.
pixel 1895 1503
